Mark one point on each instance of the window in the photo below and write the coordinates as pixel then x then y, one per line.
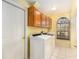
pixel 63 28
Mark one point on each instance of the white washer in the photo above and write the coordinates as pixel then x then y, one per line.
pixel 41 47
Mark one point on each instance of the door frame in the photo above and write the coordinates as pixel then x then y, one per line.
pixel 24 21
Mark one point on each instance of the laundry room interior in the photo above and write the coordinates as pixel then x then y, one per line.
pixel 39 29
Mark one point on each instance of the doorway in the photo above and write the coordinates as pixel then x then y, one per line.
pixel 13 33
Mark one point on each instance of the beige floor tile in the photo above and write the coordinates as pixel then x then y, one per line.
pixel 62 43
pixel 64 53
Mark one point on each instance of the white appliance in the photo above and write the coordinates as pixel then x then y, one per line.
pixel 41 46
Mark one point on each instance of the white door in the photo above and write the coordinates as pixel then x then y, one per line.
pixel 13 31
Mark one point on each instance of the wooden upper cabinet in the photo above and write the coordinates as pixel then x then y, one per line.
pixel 46 21
pixel 34 17
pixel 37 19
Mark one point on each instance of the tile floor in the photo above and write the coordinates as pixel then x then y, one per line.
pixel 64 53
pixel 63 43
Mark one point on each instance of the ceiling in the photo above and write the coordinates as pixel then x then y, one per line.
pixel 50 7
pixel 54 6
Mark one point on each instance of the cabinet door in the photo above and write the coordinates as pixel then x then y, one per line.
pixel 50 22
pixel 47 22
pixel 30 16
pixel 43 20
pixel 37 18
